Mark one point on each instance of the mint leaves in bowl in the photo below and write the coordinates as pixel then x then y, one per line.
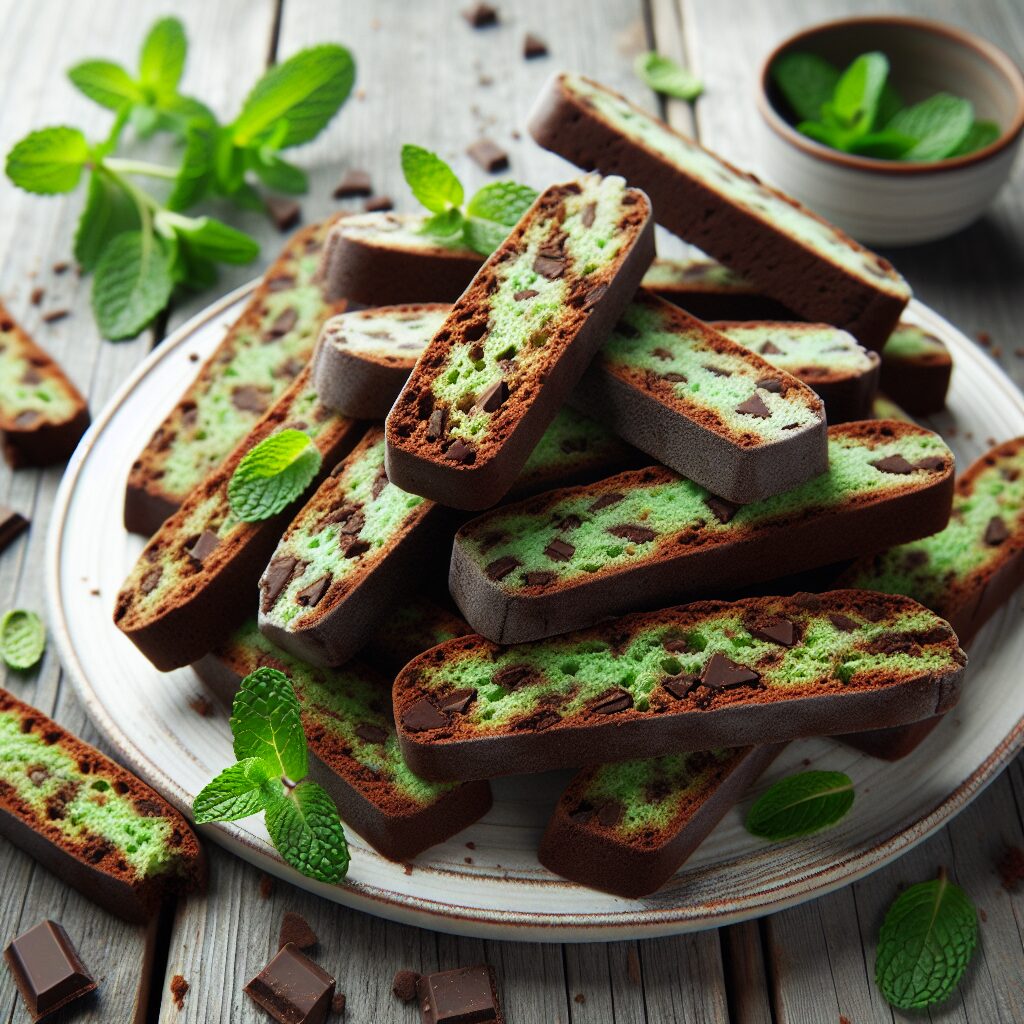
pixel 898 129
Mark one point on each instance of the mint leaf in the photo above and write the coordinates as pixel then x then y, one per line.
pixel 483 236
pixel 22 638
pixel 883 145
pixel 857 93
pixel 925 944
pixel 890 103
pixel 431 180
pixel 807 81
pixel 105 83
pixel 982 134
pixel 306 90
pixel 163 57
pixel 213 239
pixel 48 161
pixel 939 123
pixel 278 174
pixel 108 211
pixel 664 75
pixel 195 174
pixel 502 201
pixel 132 284
pixel 236 793
pixel 826 134
pixel 307 832
pixel 800 805
pixel 445 225
pixel 266 724
pixel 272 475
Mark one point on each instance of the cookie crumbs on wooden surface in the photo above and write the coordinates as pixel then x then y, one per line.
pixel 179 986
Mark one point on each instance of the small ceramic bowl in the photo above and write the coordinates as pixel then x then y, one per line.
pixel 887 202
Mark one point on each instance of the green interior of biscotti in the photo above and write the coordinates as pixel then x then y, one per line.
pixel 694 274
pixel 805 350
pixel 926 569
pixel 393 332
pixel 655 340
pixel 81 805
pixel 400 231
pixel 675 507
pixel 571 442
pixel 317 547
pixel 910 342
pixel 340 701
pixel 257 361
pixel 565 675
pixel 520 329
pixel 20 393
pixel 741 189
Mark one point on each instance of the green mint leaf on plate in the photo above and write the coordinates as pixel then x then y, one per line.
pixel 305 827
pixel 211 238
pixel 664 75
pixel 106 83
pixel 272 475
pixel 982 134
pixel 431 180
pixel 807 82
pixel 22 638
pixel 162 59
pixel 857 93
pixel 940 124
pixel 132 284
pixel 883 145
pixel 306 90
pixel 445 225
pixel 502 201
pixel 925 944
pixel 483 236
pixel 266 724
pixel 236 793
pixel 108 211
pixel 800 805
pixel 48 161
pixel 278 174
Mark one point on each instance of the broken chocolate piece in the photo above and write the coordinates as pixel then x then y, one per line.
pixel 371 733
pixel 996 532
pixel 612 702
pixel 723 510
pixel 464 996
pixel 539 578
pixel 311 596
pixel 560 550
pixel 776 631
pixel 47 969
pixel 481 15
pixel 893 464
pixel 679 686
pixel 489 155
pixel 633 533
pixel 296 930
pixel 459 452
pixel 285 213
pixel 436 424
pixel 492 398
pixel 772 384
pixel 843 622
pixel 353 183
pixel 249 399
pixel 284 322
pixel 501 567
pixel 721 672
pixel 514 677
pixel 457 702
pixel 550 266
pixel 292 988
pixel 379 204
pixel 525 293
pixel 605 501
pixel 276 578
pixel 11 524
pixel 204 546
pixel 534 46
pixel 610 813
pixel 423 716
pixel 754 406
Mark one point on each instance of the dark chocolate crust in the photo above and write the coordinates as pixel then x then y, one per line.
pixel 716 304
pixel 919 386
pixel 590 854
pixel 785 270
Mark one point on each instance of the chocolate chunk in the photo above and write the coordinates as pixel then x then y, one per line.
pixel 457 702
pixel 27 419
pixel 931 462
pixel 311 596
pixel 371 734
pixel 776 631
pixel 721 672
pixel 612 702
pixel 996 532
pixel 481 15
pixel 423 716
pixel 551 267
pixel 627 330
pixel 296 930
pixel 675 644
pixel 594 296
pixel 281 283
pixel 292 988
pixel 843 622
pixel 539 578
pixel 283 323
pixel 31 376
pixel 151 579
pixel 873 612
pixel 459 452
pixel 275 579
pixel 379 204
pixel 582 813
pixel 352 547
pixel 11 524
pixel 514 677
pixel 633 533
pixel 661 353
pixel 570 522
pixel 436 424
pixel 463 996
pixel 404 985
pixel 610 813
pixel 679 686
pixel 47 969
pixel 717 371
pixel 380 481
pixel 723 510
pixel 606 501
pixel 204 546
pixel 769 348
pixel 493 397
pixel 501 567
pixel 285 213
pixel 534 46
pixel 489 155
pixel 353 183
pixel 772 384
pixel 754 406
pixel 525 293
pixel 893 464
pixel 249 399
pixel 36 295
pixel 53 315
pixel 588 215
pixel 560 550
pixel 674 378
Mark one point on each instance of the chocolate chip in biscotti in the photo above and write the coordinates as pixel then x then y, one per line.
pixel 722 672
pixel 423 716
pixel 204 546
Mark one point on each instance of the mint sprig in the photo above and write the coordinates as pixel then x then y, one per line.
pixel 22 639
pixel 272 475
pixel 800 805
pixel 483 223
pixel 664 75
pixel 269 775
pixel 925 944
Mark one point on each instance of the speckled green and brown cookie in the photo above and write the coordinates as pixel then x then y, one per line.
pixel 411 628
pixel 568 558
pixel 703 405
pixel 695 677
pixel 916 369
pixel 517 341
pixel 261 354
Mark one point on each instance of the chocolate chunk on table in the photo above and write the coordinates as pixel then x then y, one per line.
pixel 11 524
pixel 47 969
pixel 481 15
pixel 379 204
pixel 467 994
pixel 489 155
pixel 353 183
pixel 293 989
pixel 285 213
pixel 534 46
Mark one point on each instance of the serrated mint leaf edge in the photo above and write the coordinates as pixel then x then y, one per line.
pixel 306 813
pixel 764 807
pixel 238 792
pixel 266 722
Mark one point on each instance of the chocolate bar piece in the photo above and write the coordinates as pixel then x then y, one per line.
pixel 11 524
pixel 293 989
pixel 463 996
pixel 47 969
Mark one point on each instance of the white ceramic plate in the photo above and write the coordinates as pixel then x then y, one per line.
pixel 497 888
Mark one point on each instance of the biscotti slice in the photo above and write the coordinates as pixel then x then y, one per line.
pixel 347 558
pixel 364 358
pixel 380 259
pixel 261 354
pixel 42 414
pixel 93 824
pixel 195 579
pixel 916 369
pixel 350 733
pixel 828 359
pixel 703 405
pixel 884 408
pixel 570 557
pixel 785 250
pixel 709 291
pixel 626 828
pixel 696 677
pixel 409 629
pixel 517 341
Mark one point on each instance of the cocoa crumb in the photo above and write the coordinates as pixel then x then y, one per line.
pixel 468 860
pixel 338 1003
pixel 61 267
pixel 296 929
pixel 843 1019
pixel 471 845
pixel 1011 868
pixel 53 315
pixel 407 868
pixel 37 295
pixel 266 885
pixel 193 357
pixel 579 998
pixel 997 352
pixel 95 591
pixel 179 986
pixel 201 705
pixel 633 967
pixel 404 985
pixel 982 915
pixel 984 338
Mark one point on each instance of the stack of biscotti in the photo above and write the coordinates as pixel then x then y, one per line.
pixel 916 369
pixel 261 354
pixel 706 289
pixel 42 414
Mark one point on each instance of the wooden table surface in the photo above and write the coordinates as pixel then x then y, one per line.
pixel 424 76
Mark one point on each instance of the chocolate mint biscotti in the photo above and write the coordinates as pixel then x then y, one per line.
pixel 790 253
pixel 626 828
pixel 194 580
pixel 380 259
pixel 93 824
pixel 42 414
pixel 570 557
pixel 696 677
pixel 703 405
pixel 261 354
pixel 350 733
pixel 517 341
pixel 916 369
pixel 410 629
pixel 825 358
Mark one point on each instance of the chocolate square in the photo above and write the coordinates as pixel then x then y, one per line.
pixel 463 996
pixel 47 969
pixel 292 988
